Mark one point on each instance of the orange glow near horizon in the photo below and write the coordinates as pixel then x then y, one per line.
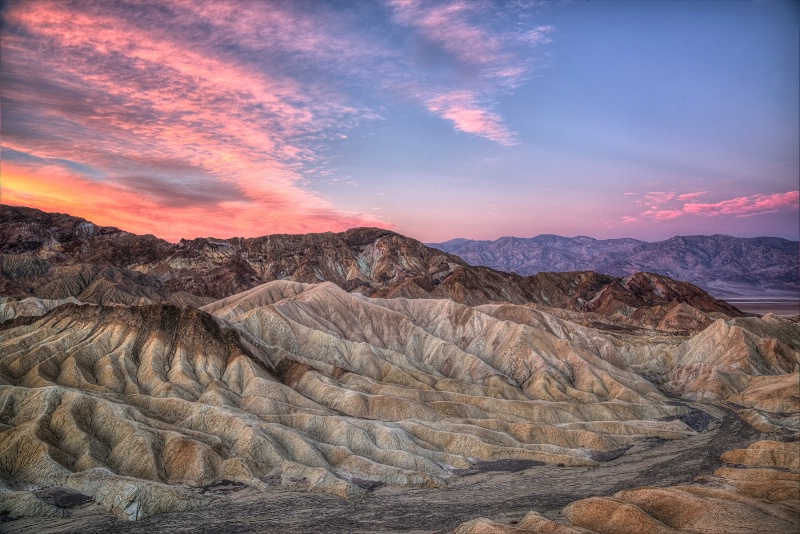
pixel 437 119
pixel 52 189
pixel 177 143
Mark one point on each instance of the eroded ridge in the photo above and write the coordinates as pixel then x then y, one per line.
pixel 302 387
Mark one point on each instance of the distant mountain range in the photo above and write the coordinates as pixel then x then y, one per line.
pixel 57 257
pixel 722 264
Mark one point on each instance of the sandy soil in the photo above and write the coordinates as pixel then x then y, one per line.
pixel 504 496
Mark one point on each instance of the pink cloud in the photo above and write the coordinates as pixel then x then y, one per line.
pixel 491 58
pixel 657 198
pixel 323 36
pixel 159 97
pixel 747 206
pixel 661 215
pixel 663 206
pixel 186 109
pixel 462 109
pixel 690 196
pixel 449 24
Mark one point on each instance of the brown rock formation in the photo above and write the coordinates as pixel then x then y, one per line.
pixel 55 256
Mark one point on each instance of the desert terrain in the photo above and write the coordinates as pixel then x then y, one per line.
pixel 362 382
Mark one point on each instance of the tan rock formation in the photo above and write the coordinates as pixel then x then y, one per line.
pixel 762 497
pixel 751 362
pixel 300 386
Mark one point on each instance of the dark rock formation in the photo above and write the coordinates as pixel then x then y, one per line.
pixel 55 256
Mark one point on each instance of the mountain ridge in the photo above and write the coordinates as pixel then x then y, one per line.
pixel 56 257
pixel 723 264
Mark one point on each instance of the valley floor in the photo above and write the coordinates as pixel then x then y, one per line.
pixel 786 306
pixel 502 496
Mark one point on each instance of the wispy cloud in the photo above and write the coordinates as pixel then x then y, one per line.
pixel 666 205
pixel 192 105
pixel 451 25
pixel 463 108
pixel 123 92
pixel 458 36
pixel 747 206
pixel 690 196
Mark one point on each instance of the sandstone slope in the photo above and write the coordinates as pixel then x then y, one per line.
pixel 309 387
pixel 303 387
pixel 758 492
pixel 752 363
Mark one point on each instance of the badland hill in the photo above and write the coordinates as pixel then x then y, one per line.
pixel 141 374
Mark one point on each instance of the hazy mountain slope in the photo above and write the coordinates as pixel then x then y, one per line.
pixel 708 261
pixel 53 256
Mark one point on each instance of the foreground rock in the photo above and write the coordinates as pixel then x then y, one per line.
pixel 308 387
pixel 760 494
pixel 302 387
pixel 501 493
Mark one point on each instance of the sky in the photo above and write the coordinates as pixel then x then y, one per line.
pixel 436 119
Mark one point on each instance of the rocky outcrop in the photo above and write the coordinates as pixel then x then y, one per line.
pixel 758 493
pixel 732 356
pixel 300 386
